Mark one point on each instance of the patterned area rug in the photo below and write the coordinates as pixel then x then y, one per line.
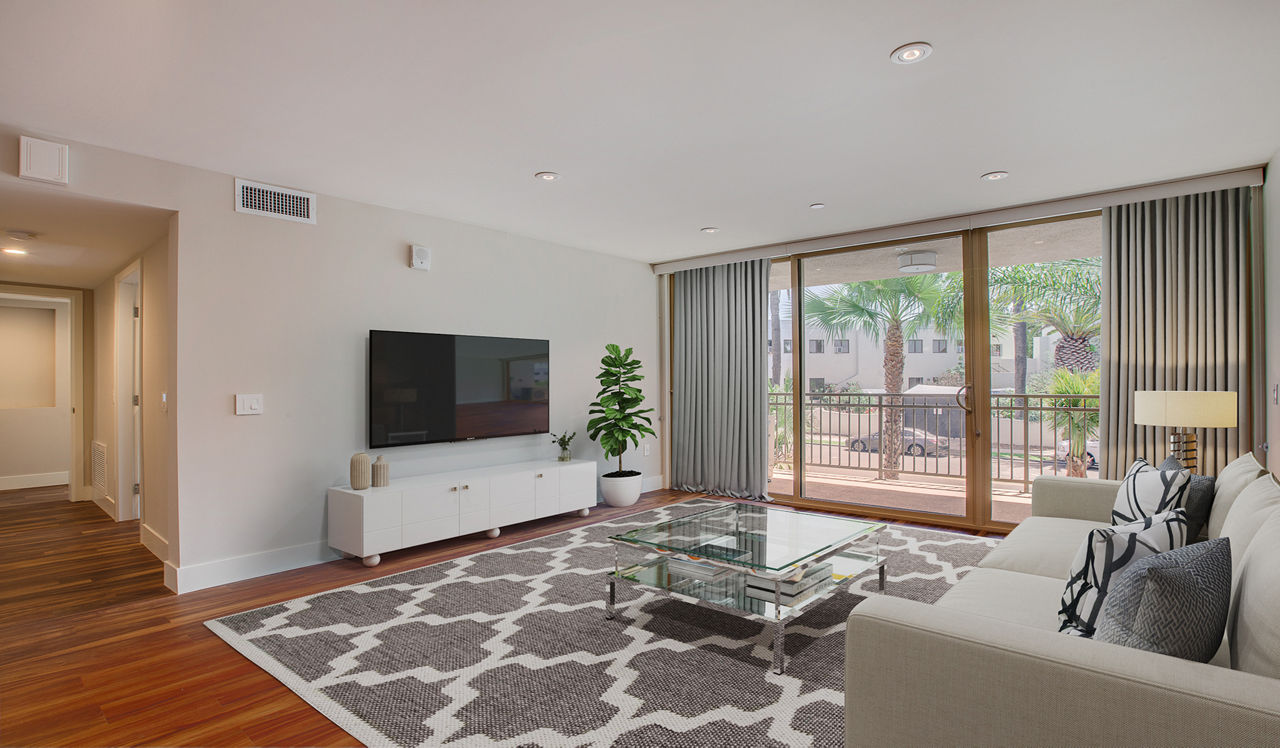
pixel 510 647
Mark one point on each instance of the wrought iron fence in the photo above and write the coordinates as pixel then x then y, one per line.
pixel 1029 433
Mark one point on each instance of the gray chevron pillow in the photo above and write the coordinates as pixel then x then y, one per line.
pixel 1173 603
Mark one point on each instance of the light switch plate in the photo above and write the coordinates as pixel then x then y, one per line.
pixel 248 405
pixel 419 257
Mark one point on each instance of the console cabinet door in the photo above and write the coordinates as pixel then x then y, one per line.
pixel 546 491
pixel 577 486
pixel 380 510
pixel 511 498
pixel 425 501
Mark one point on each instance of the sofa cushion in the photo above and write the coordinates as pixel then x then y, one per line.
pixel 1026 599
pixel 1146 492
pixel 1199 499
pixel 1041 545
pixel 1104 555
pixel 1254 626
pixel 1231 480
pixel 1248 512
pixel 1172 603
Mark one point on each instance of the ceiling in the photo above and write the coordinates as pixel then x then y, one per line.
pixel 80 242
pixel 662 117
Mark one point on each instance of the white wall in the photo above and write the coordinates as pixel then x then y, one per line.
pixel 35 442
pixel 1271 266
pixel 280 308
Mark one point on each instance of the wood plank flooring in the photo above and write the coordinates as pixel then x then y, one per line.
pixel 95 651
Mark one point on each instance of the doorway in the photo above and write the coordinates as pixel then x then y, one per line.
pixel 128 393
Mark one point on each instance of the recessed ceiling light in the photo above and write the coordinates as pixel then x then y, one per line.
pixel 911 53
pixel 818 206
pixel 549 176
pixel 994 176
pixel 709 229
pixel 14 251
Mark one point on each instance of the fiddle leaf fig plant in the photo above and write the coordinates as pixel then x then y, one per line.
pixel 617 416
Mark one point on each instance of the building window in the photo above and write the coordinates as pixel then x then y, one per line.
pixel 915 346
pixel 996 350
pixel 913 381
pixel 815 346
pixel 771 346
pixel 786 346
pixel 939 346
pixel 842 346
pixel 817 384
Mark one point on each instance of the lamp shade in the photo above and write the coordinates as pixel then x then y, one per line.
pixel 1205 410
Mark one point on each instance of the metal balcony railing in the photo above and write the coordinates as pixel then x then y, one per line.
pixel 1029 433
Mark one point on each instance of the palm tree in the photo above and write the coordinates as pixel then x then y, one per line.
pixel 1078 416
pixel 888 310
pixel 1077 325
pixel 775 337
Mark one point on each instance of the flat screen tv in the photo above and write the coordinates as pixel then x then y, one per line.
pixel 426 387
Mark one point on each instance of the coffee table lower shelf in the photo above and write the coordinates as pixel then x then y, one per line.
pixel 743 593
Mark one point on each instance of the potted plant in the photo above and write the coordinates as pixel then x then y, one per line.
pixel 618 420
pixel 564 440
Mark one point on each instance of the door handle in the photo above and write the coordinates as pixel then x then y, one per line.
pixel 967 390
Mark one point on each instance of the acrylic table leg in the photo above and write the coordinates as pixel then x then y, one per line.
pixel 609 611
pixel 779 631
pixel 882 577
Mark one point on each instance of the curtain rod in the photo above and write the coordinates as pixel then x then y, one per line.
pixel 1250 177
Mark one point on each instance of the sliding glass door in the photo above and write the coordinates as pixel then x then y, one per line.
pixel 934 379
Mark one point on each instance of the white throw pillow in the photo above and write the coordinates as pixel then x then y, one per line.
pixel 1231 480
pixel 1147 492
pixel 1251 508
pixel 1104 555
pixel 1254 626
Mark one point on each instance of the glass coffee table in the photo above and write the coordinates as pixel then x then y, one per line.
pixel 753 560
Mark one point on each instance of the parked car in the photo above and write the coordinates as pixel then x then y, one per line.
pixel 1091 451
pixel 915 442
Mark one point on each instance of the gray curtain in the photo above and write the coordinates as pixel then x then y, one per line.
pixel 719 380
pixel 1177 315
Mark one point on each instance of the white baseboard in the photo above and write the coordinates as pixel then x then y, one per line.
pixel 652 483
pixel 192 577
pixel 105 503
pixel 34 480
pixel 84 494
pixel 170 576
pixel 155 543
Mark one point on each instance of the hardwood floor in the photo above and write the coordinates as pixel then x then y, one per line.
pixel 95 651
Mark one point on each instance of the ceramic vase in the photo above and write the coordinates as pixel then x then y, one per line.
pixel 381 472
pixel 361 471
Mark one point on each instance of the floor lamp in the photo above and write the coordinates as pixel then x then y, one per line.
pixel 1183 411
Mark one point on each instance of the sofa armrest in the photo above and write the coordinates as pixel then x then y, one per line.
pixel 917 674
pixel 1073 498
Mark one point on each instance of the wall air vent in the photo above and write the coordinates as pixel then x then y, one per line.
pixel 276 202
pixel 98 467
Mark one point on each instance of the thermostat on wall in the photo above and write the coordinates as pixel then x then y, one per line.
pixel 419 257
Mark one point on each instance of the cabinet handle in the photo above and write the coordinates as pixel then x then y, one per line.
pixel 466 488
pixel 453 488
pixel 539 475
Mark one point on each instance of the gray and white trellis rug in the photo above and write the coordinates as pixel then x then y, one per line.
pixel 510 647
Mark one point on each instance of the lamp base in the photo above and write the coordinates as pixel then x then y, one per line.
pixel 1182 444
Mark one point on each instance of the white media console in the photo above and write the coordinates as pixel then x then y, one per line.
pixel 424 508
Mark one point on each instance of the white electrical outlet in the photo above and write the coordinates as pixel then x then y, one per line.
pixel 248 405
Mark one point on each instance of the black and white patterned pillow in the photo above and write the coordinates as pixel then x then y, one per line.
pixel 1199 501
pixel 1147 492
pixel 1174 603
pixel 1107 552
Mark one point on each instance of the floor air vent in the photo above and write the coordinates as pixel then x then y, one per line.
pixel 276 202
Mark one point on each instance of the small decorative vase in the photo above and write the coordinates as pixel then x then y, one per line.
pixel 565 454
pixel 361 472
pixel 381 472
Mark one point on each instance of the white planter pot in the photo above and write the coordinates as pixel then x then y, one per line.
pixel 621 491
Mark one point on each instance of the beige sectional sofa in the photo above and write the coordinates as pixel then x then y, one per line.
pixel 986 665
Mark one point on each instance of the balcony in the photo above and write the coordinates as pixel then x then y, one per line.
pixel 843 450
